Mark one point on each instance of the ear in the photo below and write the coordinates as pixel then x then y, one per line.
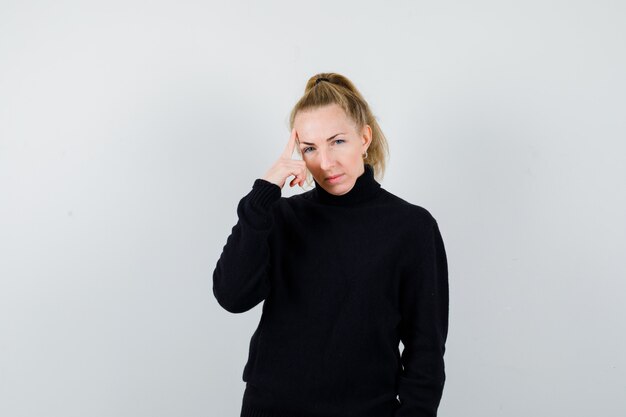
pixel 366 136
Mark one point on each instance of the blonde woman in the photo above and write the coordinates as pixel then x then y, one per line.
pixel 347 270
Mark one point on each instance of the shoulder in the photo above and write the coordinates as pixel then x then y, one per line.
pixel 418 214
pixel 419 226
pixel 285 207
pixel 305 196
pixel 297 200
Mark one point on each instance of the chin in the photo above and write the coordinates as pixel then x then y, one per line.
pixel 339 189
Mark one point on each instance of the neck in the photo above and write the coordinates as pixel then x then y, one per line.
pixel 365 188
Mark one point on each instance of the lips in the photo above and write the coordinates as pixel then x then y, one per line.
pixel 333 177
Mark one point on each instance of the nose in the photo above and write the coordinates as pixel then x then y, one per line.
pixel 326 160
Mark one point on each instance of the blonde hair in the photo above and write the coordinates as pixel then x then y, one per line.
pixel 337 89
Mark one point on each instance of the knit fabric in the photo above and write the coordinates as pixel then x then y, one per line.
pixel 344 279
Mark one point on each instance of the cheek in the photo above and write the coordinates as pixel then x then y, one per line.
pixel 355 150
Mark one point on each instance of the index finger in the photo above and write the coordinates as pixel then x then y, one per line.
pixel 290 144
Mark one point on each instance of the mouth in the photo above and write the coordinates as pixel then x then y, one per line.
pixel 334 179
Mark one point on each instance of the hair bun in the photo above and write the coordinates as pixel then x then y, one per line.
pixel 320 79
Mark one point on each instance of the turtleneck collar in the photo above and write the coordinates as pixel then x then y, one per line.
pixel 365 188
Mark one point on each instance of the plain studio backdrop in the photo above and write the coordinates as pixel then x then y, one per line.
pixel 129 131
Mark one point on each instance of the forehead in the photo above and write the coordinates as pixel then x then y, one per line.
pixel 322 122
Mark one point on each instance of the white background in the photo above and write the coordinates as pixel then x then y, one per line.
pixel 129 130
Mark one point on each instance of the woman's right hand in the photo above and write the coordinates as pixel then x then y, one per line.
pixel 285 166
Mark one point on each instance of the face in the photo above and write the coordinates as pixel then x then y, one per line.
pixel 331 147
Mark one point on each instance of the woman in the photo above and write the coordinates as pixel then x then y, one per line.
pixel 347 271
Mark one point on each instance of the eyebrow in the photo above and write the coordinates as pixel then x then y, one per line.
pixel 330 138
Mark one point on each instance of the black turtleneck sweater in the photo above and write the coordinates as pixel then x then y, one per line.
pixel 345 278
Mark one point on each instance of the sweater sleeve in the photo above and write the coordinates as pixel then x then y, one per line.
pixel 424 329
pixel 240 278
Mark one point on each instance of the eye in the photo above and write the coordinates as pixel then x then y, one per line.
pixel 305 150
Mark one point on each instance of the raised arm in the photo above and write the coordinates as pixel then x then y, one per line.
pixel 424 329
pixel 240 278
